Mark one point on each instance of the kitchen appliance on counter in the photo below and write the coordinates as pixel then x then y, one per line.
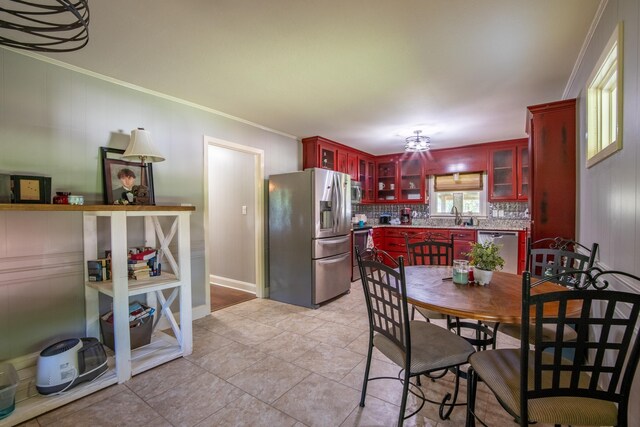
pixel 67 363
pixel 360 238
pixel 385 218
pixel 508 242
pixel 309 236
pixel 405 216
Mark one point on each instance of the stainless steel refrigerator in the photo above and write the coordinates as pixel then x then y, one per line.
pixel 309 236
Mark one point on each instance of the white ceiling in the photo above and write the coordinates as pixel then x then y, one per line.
pixel 362 72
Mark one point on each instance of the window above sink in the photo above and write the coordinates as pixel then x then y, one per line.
pixel 466 192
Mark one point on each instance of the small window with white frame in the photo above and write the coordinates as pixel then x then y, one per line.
pixel 466 192
pixel 604 102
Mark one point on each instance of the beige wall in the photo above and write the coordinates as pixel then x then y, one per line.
pixel 609 192
pixel 52 122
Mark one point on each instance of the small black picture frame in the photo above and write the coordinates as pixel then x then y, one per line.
pixel 30 189
pixel 112 164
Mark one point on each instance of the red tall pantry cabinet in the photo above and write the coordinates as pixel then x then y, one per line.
pixel 552 158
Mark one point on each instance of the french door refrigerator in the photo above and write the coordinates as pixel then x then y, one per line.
pixel 309 236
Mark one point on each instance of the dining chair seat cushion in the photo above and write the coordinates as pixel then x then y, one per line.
pixel 500 371
pixel 548 332
pixel 429 314
pixel 432 348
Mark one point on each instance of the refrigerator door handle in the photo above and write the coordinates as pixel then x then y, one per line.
pixel 335 206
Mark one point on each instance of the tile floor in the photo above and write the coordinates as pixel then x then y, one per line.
pixel 265 363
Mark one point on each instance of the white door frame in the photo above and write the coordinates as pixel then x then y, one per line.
pixel 258 156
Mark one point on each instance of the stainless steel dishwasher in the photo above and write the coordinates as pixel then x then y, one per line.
pixel 508 242
pixel 360 236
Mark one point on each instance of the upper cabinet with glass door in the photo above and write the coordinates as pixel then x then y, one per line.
pixel 509 172
pixel 387 179
pixel 412 179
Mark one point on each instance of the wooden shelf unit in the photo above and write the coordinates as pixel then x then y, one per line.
pixel 124 362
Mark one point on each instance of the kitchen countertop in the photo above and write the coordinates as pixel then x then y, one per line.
pixel 521 225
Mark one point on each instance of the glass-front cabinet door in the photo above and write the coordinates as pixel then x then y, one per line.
pixel 502 174
pixel 412 182
pixel 386 180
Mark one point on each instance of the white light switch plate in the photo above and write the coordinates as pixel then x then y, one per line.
pixel 244 210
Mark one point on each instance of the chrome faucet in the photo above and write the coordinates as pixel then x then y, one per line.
pixel 458 218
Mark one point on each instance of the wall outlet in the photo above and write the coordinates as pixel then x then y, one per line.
pixel 501 213
pixel 244 210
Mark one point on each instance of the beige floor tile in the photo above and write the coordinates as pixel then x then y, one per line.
pixel 295 322
pixel 218 321
pixel 163 377
pixel 248 411
pixel 353 319
pixel 376 413
pixel 329 361
pixel 249 332
pixel 389 390
pixel 121 409
pixel 334 334
pixel 269 378
pixel 194 400
pixel 205 341
pixel 229 360
pixel 325 402
pixel 77 405
pixel 287 346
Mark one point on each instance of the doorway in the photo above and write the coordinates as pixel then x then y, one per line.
pixel 234 217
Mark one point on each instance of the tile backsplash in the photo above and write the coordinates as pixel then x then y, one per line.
pixel 500 214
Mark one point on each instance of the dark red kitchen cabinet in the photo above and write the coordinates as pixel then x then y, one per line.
pixel 318 152
pixel 508 171
pixel 552 162
pixel 522 161
pixel 366 176
pixel 387 179
pixel 412 179
pixel 352 165
pixel 462 240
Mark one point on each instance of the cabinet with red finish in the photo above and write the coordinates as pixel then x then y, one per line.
pixel 461 242
pixel 522 157
pixel 412 179
pixel 387 179
pixel 352 165
pixel 552 162
pixel 508 171
pixel 522 251
pixel 342 165
pixel 318 152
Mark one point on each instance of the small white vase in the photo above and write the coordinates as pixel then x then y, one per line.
pixel 482 277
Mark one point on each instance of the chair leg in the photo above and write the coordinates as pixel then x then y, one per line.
pixel 366 374
pixel 472 383
pixel 452 404
pixel 405 392
pixel 413 312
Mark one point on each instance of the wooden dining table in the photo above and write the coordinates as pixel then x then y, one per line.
pixel 431 287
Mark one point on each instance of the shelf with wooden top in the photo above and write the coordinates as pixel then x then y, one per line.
pixel 162 224
pixel 91 208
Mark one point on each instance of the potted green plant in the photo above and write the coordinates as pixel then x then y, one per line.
pixel 485 259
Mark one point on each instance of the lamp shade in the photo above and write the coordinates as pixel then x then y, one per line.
pixel 141 149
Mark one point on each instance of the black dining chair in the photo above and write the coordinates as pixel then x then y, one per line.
pixel 431 248
pixel 435 248
pixel 416 347
pixel 543 385
pixel 562 260
pixel 376 254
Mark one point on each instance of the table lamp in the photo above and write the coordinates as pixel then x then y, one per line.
pixel 141 149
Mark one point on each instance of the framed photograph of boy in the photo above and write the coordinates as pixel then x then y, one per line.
pixel 122 179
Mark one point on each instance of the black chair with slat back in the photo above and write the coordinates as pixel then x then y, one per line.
pixel 433 248
pixel 562 260
pixel 375 254
pixel 430 248
pixel 543 385
pixel 416 347
pixel 552 256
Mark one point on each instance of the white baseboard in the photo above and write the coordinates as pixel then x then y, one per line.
pixel 231 283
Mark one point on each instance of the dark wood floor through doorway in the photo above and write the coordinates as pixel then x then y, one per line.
pixel 222 297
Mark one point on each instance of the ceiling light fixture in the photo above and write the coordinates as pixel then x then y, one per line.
pixel 45 25
pixel 417 142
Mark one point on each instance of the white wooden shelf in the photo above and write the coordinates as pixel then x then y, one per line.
pixel 138 287
pixel 176 276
